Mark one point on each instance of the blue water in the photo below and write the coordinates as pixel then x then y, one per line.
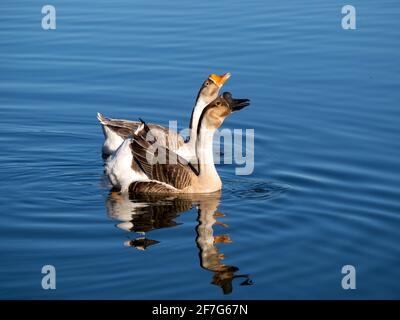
pixel 325 191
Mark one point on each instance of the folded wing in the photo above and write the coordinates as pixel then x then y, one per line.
pixel 161 164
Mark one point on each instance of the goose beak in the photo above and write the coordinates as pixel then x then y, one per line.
pixel 219 80
pixel 235 104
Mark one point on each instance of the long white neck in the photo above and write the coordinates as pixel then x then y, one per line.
pixel 205 156
pixel 197 110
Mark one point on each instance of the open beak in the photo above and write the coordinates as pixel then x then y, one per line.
pixel 219 80
pixel 235 104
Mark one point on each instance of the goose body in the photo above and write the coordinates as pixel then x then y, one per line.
pixel 136 166
pixel 117 130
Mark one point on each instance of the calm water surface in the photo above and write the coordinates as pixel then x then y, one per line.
pixel 325 191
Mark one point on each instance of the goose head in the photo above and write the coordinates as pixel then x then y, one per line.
pixel 215 113
pixel 211 86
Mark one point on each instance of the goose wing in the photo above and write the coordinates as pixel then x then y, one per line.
pixel 161 164
pixel 126 128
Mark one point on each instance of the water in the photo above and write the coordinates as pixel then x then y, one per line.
pixel 325 190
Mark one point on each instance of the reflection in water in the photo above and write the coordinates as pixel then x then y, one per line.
pixel 210 258
pixel 144 213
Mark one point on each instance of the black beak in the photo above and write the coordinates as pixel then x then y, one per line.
pixel 235 104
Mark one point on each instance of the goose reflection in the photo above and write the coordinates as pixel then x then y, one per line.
pixel 142 213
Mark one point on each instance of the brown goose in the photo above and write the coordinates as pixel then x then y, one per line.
pixel 175 174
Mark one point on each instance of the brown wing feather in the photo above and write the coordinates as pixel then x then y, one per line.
pixel 150 187
pixel 161 164
pixel 123 132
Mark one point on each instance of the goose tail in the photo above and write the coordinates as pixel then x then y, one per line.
pixel 103 120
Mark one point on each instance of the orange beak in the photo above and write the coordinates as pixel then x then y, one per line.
pixel 219 80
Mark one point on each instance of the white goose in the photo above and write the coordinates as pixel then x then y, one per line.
pixel 136 166
pixel 117 130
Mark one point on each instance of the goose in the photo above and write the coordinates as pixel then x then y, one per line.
pixel 136 167
pixel 117 130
